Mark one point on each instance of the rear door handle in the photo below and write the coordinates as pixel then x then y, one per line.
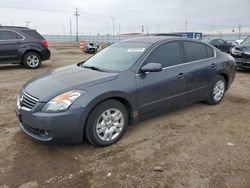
pixel 213 65
pixel 180 75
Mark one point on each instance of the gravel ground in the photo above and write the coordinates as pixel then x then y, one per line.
pixel 197 146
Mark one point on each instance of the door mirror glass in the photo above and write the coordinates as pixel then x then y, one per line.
pixel 151 67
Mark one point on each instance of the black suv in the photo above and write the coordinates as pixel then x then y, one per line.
pixel 21 45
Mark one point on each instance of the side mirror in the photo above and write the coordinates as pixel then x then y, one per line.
pixel 151 67
pixel 79 64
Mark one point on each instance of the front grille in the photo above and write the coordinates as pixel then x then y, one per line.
pixel 27 100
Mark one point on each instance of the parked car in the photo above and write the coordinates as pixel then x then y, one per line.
pixel 222 45
pixel 239 41
pixel 121 85
pixel 91 48
pixel 21 45
pixel 241 53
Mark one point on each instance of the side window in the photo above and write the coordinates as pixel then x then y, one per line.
pixel 214 41
pixel 210 51
pixel 167 54
pixel 8 35
pixel 194 51
pixel 221 41
pixel 19 36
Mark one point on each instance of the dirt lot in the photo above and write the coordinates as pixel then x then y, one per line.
pixel 198 146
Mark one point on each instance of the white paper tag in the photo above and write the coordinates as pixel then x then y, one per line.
pixel 136 50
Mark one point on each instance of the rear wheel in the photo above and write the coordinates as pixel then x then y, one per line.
pixel 32 60
pixel 106 123
pixel 217 91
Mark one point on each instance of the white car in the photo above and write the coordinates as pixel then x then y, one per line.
pixel 237 42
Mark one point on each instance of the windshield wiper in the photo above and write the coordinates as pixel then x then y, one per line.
pixel 93 68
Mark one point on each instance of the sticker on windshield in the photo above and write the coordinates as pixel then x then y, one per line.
pixel 136 50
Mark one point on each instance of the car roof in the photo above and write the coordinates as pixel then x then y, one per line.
pixel 14 28
pixel 152 39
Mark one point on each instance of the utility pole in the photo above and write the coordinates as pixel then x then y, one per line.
pixel 142 29
pixel 119 33
pixel 186 25
pixel 76 15
pixel 239 31
pixel 113 20
pixel 63 30
pixel 27 24
pixel 70 28
pixel 147 31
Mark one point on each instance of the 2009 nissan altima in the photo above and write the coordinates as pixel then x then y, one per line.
pixel 120 86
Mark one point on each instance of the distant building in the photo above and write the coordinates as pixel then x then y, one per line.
pixel 192 35
pixel 131 34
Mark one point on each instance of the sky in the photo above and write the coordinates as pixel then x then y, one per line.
pixel 96 16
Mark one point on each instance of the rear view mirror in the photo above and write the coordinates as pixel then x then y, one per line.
pixel 152 67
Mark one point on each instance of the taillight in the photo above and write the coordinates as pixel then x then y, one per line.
pixel 45 43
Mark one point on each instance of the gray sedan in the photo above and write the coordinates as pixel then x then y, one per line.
pixel 120 86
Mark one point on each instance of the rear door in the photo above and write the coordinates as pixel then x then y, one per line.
pixel 10 42
pixel 200 63
pixel 165 90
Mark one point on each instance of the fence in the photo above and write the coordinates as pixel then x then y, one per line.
pixel 117 38
pixel 90 38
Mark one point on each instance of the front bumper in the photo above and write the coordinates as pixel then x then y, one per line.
pixel 242 62
pixel 63 127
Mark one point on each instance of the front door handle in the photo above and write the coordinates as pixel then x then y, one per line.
pixel 181 75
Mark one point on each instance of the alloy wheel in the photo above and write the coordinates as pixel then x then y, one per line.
pixel 110 124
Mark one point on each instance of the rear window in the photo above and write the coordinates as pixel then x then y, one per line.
pixel 33 34
pixel 210 51
pixel 9 35
pixel 195 51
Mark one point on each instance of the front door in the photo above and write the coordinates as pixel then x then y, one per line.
pixel 165 90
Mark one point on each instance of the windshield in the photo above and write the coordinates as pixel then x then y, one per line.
pixel 118 57
pixel 246 41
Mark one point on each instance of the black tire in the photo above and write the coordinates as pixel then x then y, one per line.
pixel 28 57
pixel 211 96
pixel 90 131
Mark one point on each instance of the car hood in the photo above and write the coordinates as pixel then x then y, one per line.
pixel 57 81
pixel 243 47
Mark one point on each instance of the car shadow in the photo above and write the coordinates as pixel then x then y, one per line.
pixel 21 67
pixel 11 66
pixel 244 71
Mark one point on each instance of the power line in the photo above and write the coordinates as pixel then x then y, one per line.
pixel 118 17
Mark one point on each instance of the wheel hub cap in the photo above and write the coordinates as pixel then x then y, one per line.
pixel 218 90
pixel 110 124
pixel 32 61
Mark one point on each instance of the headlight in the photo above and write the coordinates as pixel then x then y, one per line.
pixel 62 102
pixel 236 51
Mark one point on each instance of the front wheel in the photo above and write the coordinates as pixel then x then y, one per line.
pixel 107 123
pixel 217 91
pixel 32 60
